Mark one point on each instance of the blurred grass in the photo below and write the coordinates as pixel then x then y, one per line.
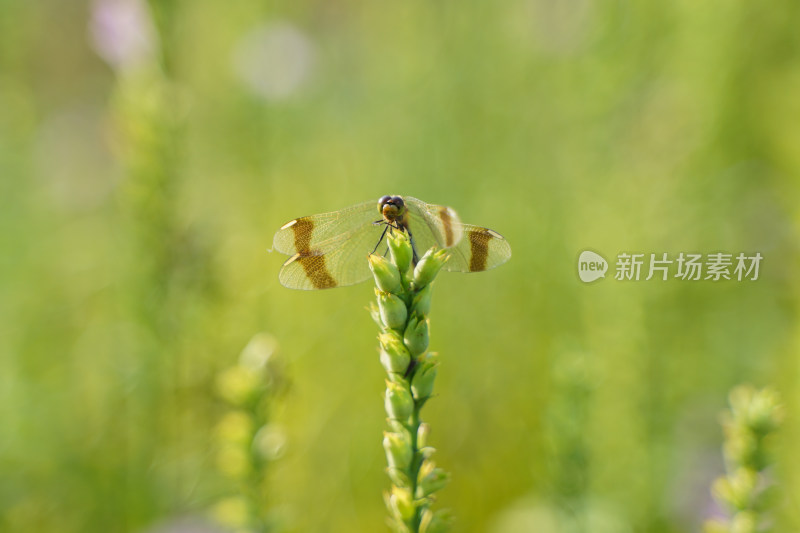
pixel 138 204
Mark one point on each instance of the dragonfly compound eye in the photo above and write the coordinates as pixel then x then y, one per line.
pixel 396 200
pixel 382 201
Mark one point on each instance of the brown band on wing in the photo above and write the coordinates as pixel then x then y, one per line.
pixel 313 263
pixel 479 249
pixel 444 215
pixel 303 230
pixel 316 270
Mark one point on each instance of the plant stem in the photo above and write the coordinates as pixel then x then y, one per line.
pixel 403 303
pixel 754 415
pixel 416 463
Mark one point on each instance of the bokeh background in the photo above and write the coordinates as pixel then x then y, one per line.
pixel 148 152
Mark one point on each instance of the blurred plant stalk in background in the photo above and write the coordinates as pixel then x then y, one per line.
pixel 167 279
pixel 745 491
pixel 247 441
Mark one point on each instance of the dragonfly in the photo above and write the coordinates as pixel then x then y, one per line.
pixel 329 250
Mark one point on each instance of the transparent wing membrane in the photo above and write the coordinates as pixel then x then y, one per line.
pixel 432 225
pixel 325 231
pixel 480 249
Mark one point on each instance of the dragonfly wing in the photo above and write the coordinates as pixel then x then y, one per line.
pixel 480 249
pixel 432 225
pixel 344 262
pixel 321 233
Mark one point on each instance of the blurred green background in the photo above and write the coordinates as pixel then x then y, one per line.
pixel 148 152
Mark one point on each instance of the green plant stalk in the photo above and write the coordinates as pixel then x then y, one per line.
pixel 403 303
pixel 753 417
pixel 248 443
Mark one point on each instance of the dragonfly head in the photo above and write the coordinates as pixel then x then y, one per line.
pixel 391 207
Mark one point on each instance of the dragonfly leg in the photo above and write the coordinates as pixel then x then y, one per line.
pixel 414 257
pixel 391 232
pixel 381 239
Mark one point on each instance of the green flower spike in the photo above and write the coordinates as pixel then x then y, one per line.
pixel 403 302
pixel 753 416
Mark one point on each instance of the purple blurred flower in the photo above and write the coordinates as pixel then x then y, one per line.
pixel 122 32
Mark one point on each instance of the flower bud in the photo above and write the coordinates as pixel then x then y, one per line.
pixel 427 452
pixel 394 354
pixel 415 336
pixel 395 520
pixel 433 480
pixel 425 375
pixel 435 522
pixel 429 266
pixel 399 379
pixel 269 442
pixel 745 522
pixel 421 304
pixel 742 484
pixel 398 450
pixel 375 314
pixel 402 502
pixel 398 427
pixel 233 512
pixel 234 462
pixel 239 385
pixel 401 250
pixel 765 412
pixel 258 352
pixel 423 433
pixel 387 277
pixel 393 364
pixel 393 310
pixel 399 403
pixel 236 428
pixel 398 476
